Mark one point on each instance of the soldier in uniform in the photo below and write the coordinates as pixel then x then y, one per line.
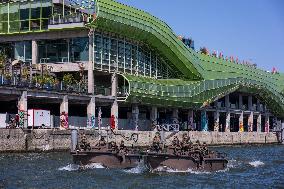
pixel 176 144
pixel 113 147
pixel 204 149
pixel 186 143
pixel 157 142
pixel 84 144
pixel 101 142
pixel 122 151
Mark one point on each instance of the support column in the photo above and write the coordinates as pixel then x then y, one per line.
pixel 227 101
pixel 23 110
pixel 114 113
pixel 114 106
pixel 241 122
pixel 64 113
pixel 34 52
pixel 258 105
pixel 190 120
pixel 154 116
pixel 250 122
pixel 135 116
pixel 250 102
pixel 240 101
pixel 114 85
pixel 258 123
pixel 91 63
pixel 91 113
pixel 175 116
pixel 204 121
pixel 267 123
pixel 228 121
pixel 216 121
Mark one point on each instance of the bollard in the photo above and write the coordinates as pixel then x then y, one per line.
pixel 74 139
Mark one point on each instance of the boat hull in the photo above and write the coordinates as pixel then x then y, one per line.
pixel 184 163
pixel 107 159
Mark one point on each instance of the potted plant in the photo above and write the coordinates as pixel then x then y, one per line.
pixel 25 77
pixel 7 78
pixel 68 80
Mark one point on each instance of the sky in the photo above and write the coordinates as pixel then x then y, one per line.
pixel 251 30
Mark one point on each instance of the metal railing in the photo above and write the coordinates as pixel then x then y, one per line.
pixel 67 19
pixel 56 87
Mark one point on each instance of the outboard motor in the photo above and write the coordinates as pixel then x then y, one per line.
pixel 74 139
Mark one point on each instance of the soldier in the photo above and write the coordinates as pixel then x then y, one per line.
pixel 204 149
pixel 157 142
pixel 186 143
pixel 176 144
pixel 122 146
pixel 101 142
pixel 113 146
pixel 175 141
pixel 122 151
pixel 197 146
pixel 84 144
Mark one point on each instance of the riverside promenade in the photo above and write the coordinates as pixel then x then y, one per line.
pixel 40 140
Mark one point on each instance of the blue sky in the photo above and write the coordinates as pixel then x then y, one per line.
pixel 251 30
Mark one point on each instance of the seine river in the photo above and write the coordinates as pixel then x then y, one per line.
pixel 249 167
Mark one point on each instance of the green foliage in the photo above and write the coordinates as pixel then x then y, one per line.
pixel 3 59
pixel 68 79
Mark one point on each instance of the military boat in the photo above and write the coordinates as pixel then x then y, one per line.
pixel 109 155
pixel 183 156
pixel 180 156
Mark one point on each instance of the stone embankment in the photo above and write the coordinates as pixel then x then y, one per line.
pixel 18 140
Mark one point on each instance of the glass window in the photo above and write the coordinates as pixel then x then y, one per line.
pixel 35 13
pixel 23 50
pixel 35 24
pixel 3 27
pixel 79 49
pixel 24 25
pixel 44 24
pixel 46 12
pixel 53 51
pixel 14 12
pixel 24 11
pixel 14 26
pixel 3 12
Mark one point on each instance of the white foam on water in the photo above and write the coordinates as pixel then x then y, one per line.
pixel 140 168
pixel 74 167
pixel 69 167
pixel 233 163
pixel 170 170
pixel 256 163
pixel 94 166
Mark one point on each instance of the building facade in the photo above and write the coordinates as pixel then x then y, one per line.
pixel 93 60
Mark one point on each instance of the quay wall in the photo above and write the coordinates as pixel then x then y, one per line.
pixel 38 140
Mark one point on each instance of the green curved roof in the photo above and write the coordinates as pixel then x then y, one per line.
pixel 204 78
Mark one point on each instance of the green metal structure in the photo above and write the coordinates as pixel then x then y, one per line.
pixel 205 78
pixel 201 79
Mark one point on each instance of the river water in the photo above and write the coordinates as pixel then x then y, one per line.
pixel 249 167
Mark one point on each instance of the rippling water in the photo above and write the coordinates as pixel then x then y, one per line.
pixel 249 167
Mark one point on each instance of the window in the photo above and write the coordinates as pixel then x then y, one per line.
pixel 35 13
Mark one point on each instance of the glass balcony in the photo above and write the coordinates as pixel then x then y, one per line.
pixel 67 19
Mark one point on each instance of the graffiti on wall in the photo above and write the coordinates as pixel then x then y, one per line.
pixel 64 120
pixel 91 121
pixel 21 118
